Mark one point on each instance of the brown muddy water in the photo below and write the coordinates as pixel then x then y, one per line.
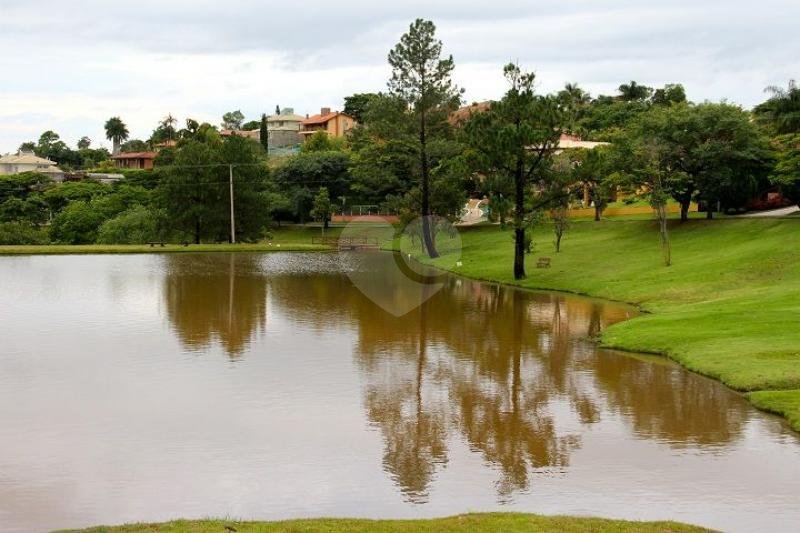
pixel 151 387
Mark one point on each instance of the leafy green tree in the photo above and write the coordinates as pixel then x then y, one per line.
pixel 575 101
pixel 302 201
pixel 356 105
pixel 671 93
pixel 192 192
pixel 121 197
pixel 49 142
pixel 116 132
pixel 500 206
pixel 78 223
pixel 322 209
pixel 385 154
pixel 32 209
pixel 91 157
pixel 84 143
pixel 319 141
pixel 279 205
pixel 22 233
pixel 631 92
pixel 194 189
pixel 706 152
pixel 22 185
pixel 781 112
pixel 61 196
pixel 422 78
pixel 135 145
pixel 192 125
pixel 786 173
pixel 251 188
pixel 137 225
pixel 517 137
pixel 52 147
pixel 590 170
pixel 312 170
pixel 263 134
pixel 28 146
pixel 606 116
pixel 251 125
pixel 232 120
pixel 165 131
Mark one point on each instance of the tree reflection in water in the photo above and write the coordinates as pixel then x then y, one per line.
pixel 219 297
pixel 515 375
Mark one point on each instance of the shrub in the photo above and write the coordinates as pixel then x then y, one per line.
pixel 19 233
pixel 138 225
pixel 78 223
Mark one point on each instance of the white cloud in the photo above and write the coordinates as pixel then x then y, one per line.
pixel 69 67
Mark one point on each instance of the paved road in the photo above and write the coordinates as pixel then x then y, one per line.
pixel 774 213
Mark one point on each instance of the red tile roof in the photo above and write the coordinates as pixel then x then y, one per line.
pixel 322 119
pixel 135 155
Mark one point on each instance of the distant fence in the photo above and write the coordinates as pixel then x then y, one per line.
pixel 349 243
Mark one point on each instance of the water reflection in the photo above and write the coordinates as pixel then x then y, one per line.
pixel 215 298
pixel 515 374
pixel 336 407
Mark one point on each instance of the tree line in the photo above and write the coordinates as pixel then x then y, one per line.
pixel 414 155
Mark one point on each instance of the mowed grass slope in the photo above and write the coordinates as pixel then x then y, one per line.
pixel 728 307
pixel 491 522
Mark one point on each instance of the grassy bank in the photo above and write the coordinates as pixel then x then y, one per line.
pixel 728 308
pixel 288 239
pixel 506 522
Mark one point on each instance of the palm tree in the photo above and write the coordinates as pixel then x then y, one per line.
pixel 782 109
pixel 168 125
pixel 575 94
pixel 575 100
pixel 633 91
pixel 117 132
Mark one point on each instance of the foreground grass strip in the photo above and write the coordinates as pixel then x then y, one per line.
pixel 492 522
pixel 728 308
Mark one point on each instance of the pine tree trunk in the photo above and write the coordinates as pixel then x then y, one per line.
pixel 519 222
pixel 427 235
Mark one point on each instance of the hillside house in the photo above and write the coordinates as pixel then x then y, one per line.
pixel 135 160
pixel 24 161
pixel 335 124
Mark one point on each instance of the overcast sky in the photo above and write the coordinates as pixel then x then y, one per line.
pixel 68 65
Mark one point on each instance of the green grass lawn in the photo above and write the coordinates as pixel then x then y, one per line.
pixel 285 239
pixel 492 522
pixel 728 308
pixel 291 238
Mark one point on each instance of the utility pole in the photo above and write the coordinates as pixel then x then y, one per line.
pixel 233 223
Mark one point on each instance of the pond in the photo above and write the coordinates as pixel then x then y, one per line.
pixel 268 386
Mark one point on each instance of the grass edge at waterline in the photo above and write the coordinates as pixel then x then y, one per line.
pixel 480 522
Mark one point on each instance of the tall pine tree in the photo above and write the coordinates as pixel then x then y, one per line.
pixel 421 78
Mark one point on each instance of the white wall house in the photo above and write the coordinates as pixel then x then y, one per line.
pixel 29 162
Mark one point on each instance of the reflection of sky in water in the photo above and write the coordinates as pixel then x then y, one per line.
pixel 119 401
